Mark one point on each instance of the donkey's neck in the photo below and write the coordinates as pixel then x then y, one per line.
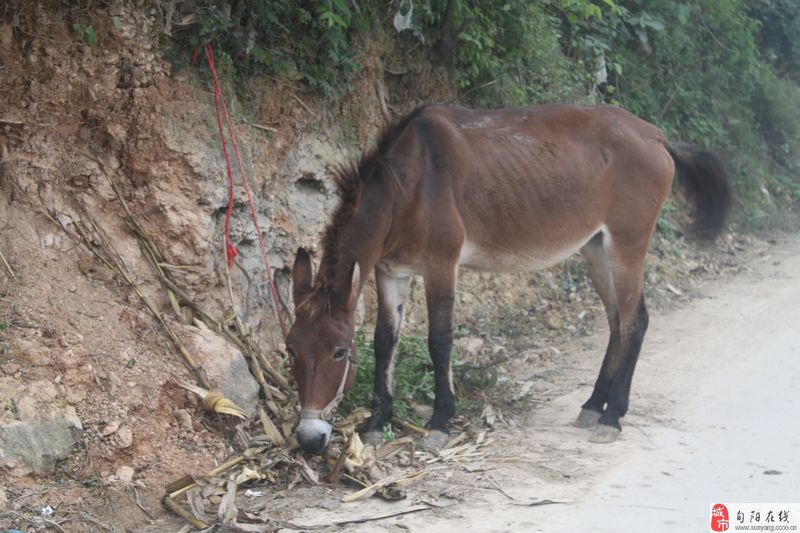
pixel 361 238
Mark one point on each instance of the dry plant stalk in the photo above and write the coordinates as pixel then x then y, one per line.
pixel 214 401
pixel 170 504
pixel 270 430
pixel 335 472
pixel 368 491
pixel 409 426
pixel 8 267
pixel 185 484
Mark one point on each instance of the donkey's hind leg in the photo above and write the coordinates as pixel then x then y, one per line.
pixel 628 320
pixel 600 272
pixel 633 326
pixel 627 272
pixel 392 294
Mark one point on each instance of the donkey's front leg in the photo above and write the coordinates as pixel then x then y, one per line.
pixel 392 294
pixel 440 296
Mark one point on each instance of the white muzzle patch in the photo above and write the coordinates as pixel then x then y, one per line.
pixel 313 434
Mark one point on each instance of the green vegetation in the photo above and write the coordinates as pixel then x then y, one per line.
pixel 507 53
pixel 86 33
pixel 413 380
pixel 413 376
pixel 304 40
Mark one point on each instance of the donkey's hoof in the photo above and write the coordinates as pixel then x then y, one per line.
pixel 373 437
pixel 587 419
pixel 603 433
pixel 434 440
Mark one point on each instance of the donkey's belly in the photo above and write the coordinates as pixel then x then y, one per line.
pixel 519 259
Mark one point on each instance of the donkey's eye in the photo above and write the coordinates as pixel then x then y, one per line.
pixel 340 354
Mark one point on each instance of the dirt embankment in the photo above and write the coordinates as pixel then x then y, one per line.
pixel 91 417
pixel 87 377
pixel 90 405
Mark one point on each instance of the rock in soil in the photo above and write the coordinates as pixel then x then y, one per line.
pixel 39 444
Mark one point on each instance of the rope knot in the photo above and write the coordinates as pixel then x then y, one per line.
pixel 232 252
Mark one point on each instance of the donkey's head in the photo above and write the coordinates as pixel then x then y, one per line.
pixel 322 347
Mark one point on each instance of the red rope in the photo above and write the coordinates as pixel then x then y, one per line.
pixel 231 251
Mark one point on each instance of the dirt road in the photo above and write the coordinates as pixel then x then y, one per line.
pixel 735 384
pixel 713 418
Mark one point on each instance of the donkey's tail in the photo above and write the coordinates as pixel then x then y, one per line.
pixel 702 174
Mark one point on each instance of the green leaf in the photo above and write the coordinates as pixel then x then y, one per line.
pixel 342 6
pixel 683 13
pixel 327 17
pixel 339 20
pixel 90 36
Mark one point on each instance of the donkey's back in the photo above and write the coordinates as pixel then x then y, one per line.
pixel 520 189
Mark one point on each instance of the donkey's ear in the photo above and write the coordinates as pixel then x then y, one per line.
pixel 354 289
pixel 301 274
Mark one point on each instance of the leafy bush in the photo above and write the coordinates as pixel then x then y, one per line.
pixel 310 40
pixel 508 54
pixel 779 34
pixel 776 103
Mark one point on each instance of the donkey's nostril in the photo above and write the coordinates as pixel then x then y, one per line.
pixel 314 445
pixel 313 435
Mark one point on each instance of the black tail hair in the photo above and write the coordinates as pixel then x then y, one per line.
pixel 702 174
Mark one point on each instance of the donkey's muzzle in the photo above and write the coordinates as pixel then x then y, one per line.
pixel 313 434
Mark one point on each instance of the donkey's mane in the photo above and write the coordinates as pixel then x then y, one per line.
pixel 351 178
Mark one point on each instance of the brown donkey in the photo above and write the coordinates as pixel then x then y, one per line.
pixel 506 190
